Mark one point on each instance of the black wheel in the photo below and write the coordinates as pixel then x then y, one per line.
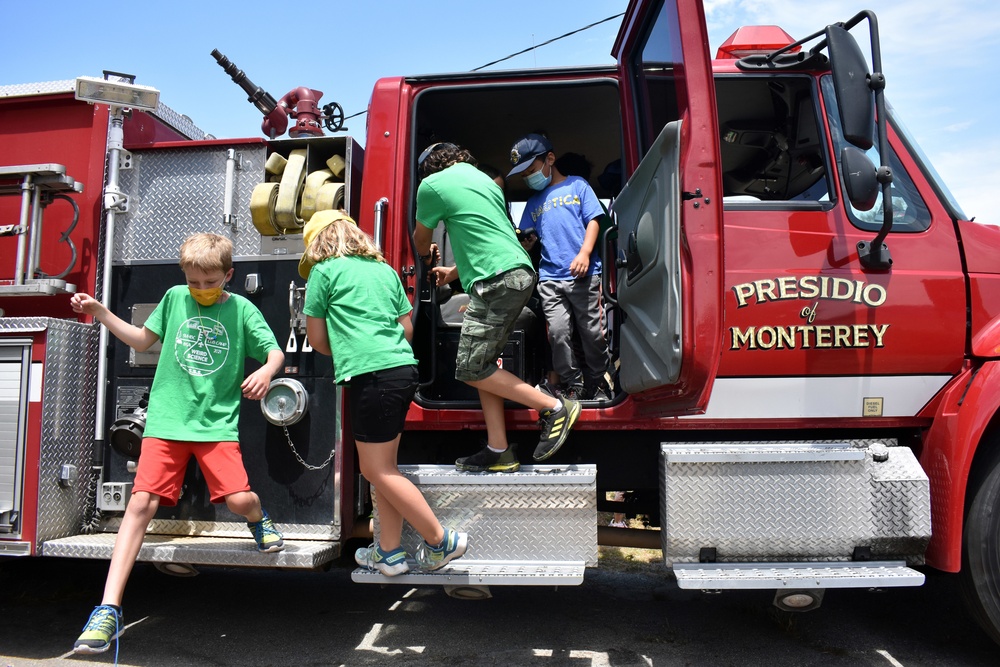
pixel 980 574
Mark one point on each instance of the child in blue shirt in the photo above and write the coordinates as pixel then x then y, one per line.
pixel 564 215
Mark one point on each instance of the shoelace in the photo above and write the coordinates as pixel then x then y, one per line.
pixel 100 618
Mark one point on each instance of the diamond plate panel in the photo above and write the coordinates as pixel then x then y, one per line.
pixel 801 509
pixel 198 551
pixel 226 529
pixel 174 193
pixel 68 407
pixel 901 507
pixel 512 517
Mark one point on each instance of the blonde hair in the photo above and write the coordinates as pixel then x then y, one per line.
pixel 207 252
pixel 342 238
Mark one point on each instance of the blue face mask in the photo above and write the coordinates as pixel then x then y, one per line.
pixel 538 180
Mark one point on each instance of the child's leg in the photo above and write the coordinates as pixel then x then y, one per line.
pixel 555 296
pixel 139 512
pixel 587 312
pixel 398 497
pixel 246 504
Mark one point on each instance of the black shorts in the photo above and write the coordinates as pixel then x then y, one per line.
pixel 379 403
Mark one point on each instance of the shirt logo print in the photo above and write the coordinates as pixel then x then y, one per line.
pixel 201 346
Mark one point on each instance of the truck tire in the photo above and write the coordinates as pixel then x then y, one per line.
pixel 980 575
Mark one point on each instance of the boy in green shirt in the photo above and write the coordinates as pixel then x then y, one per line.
pixel 497 275
pixel 194 407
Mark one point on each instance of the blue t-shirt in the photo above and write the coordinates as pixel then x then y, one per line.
pixel 560 215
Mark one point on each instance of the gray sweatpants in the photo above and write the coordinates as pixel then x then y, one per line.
pixel 575 303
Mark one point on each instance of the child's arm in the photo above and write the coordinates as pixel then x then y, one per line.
pixel 255 385
pixel 318 336
pixel 407 324
pixel 578 267
pixel 138 338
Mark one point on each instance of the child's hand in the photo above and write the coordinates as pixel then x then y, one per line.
pixel 442 275
pixel 578 267
pixel 255 385
pixel 84 303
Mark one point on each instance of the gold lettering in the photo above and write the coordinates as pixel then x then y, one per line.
pixel 823 335
pixel 841 335
pixel 860 335
pixel 879 331
pixel 786 336
pixel 768 342
pixel 764 287
pixel 808 288
pixel 740 339
pixel 875 302
pixel 787 287
pixel 742 292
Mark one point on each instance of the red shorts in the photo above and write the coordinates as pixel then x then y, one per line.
pixel 162 464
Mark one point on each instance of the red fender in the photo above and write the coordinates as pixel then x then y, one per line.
pixel 968 405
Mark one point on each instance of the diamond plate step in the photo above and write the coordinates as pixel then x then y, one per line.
pixel 485 573
pixel 873 574
pixel 198 550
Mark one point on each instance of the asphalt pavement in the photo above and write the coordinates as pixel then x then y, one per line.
pixel 247 617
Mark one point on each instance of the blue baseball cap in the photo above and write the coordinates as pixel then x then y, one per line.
pixel 526 149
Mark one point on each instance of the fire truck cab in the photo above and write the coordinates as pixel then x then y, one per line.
pixel 803 323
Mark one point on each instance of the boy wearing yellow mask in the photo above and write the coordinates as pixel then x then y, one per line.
pixel 194 407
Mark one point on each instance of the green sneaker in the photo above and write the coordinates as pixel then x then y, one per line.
pixel 105 623
pixel 556 425
pixel 268 537
pixel 389 563
pixel 486 460
pixel 452 546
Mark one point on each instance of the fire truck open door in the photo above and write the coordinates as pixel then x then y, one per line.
pixel 668 280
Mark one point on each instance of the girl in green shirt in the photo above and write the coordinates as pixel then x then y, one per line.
pixel 357 312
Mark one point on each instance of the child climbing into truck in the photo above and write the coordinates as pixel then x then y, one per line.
pixel 194 408
pixel 496 273
pixel 357 312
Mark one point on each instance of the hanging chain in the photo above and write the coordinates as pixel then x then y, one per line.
pixel 298 458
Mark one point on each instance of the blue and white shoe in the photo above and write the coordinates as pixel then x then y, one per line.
pixel 390 563
pixel 452 546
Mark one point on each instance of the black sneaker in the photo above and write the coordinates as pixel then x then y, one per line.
pixel 575 392
pixel 556 425
pixel 486 460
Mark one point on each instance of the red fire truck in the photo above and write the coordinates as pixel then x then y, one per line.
pixel 804 324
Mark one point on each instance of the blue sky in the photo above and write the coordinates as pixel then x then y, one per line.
pixel 935 56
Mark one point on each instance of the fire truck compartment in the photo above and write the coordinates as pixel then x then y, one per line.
pixel 781 502
pixel 537 526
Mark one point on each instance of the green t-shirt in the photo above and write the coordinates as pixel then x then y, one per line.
pixel 360 299
pixel 472 208
pixel 196 388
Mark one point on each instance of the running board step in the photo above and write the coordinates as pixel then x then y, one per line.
pixel 873 574
pixel 298 554
pixel 485 573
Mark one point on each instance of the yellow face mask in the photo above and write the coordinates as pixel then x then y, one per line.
pixel 206 297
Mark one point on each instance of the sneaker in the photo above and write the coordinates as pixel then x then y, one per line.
pixel 556 425
pixel 266 535
pixel 618 524
pixel 547 388
pixel 575 392
pixel 389 563
pixel 105 623
pixel 452 546
pixel 486 460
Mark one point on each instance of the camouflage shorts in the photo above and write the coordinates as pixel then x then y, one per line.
pixel 494 306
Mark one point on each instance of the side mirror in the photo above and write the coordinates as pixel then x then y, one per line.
pixel 860 178
pixel 855 97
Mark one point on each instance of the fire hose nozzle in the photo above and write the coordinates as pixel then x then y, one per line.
pixel 257 95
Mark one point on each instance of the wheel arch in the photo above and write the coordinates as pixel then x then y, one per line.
pixel 959 450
